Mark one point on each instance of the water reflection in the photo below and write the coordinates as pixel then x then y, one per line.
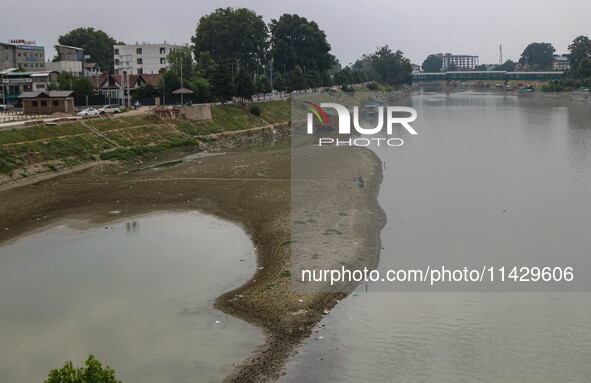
pixel 142 306
pixel 132 227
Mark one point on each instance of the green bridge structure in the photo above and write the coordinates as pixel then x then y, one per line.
pixel 501 76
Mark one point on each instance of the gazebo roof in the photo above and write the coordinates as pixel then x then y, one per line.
pixel 182 91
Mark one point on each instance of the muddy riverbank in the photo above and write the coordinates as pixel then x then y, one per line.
pixel 249 188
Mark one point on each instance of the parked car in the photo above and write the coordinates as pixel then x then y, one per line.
pixel 88 112
pixel 112 108
pixel 4 107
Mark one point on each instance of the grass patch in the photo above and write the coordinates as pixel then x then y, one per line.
pixel 332 231
pixel 126 154
pixel 285 274
pixel 41 132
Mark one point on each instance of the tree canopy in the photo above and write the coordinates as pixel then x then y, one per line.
pixel 539 54
pixel 579 50
pixel 169 82
pixel 432 63
pixel 184 56
pixel 507 66
pixel 390 68
pixel 243 84
pixel 295 41
pixel 95 43
pixel 236 35
pixel 92 373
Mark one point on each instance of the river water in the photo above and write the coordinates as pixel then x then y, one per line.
pixel 491 178
pixel 137 296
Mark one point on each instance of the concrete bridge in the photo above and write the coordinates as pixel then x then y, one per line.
pixel 500 76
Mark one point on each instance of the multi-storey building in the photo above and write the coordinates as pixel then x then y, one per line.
pixel 460 61
pixel 22 54
pixel 142 58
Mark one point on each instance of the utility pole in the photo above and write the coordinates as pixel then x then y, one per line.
pixel 501 54
pixel 181 80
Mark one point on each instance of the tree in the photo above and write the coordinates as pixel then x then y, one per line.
pixel 93 373
pixel 579 50
pixel 507 66
pixel 239 36
pixel 432 64
pixel 206 66
pixel 145 90
pixel 538 54
pixel 297 41
pixel 481 67
pixel 263 85
pixel 452 67
pixel 95 43
pixel 82 86
pixel 169 82
pixel 222 87
pixel 584 68
pixel 243 84
pixel 391 68
pixel 184 55
pixel 201 88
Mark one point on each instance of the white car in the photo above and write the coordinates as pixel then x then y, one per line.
pixel 88 112
pixel 4 107
pixel 112 108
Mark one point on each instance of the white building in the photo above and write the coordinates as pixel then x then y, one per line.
pixel 460 61
pixel 142 58
pixel 560 62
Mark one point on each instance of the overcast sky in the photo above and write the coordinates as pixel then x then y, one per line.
pixel 417 28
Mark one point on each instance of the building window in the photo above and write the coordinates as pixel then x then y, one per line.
pixel 139 61
pixel 43 103
pixel 34 103
pixel 18 54
pixel 162 60
pixel 140 71
pixel 40 86
pixel 116 61
pixel 162 51
pixel 56 103
pixel 117 51
pixel 138 51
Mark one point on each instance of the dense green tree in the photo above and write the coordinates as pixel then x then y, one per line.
pixel 169 82
pixel 222 86
pixel 432 64
pixel 243 84
pixel 201 88
pixel 538 54
pixel 584 68
pixel 481 67
pixel 206 66
pixel 92 373
pixel 236 35
pixel 82 86
pixel 263 85
pixel 344 77
pixel 145 90
pixel 95 43
pixel 391 68
pixel 452 67
pixel 295 41
pixel 507 66
pixel 579 49
pixel 182 56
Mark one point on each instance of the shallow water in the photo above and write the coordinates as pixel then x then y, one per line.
pixel 137 295
pixel 490 178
